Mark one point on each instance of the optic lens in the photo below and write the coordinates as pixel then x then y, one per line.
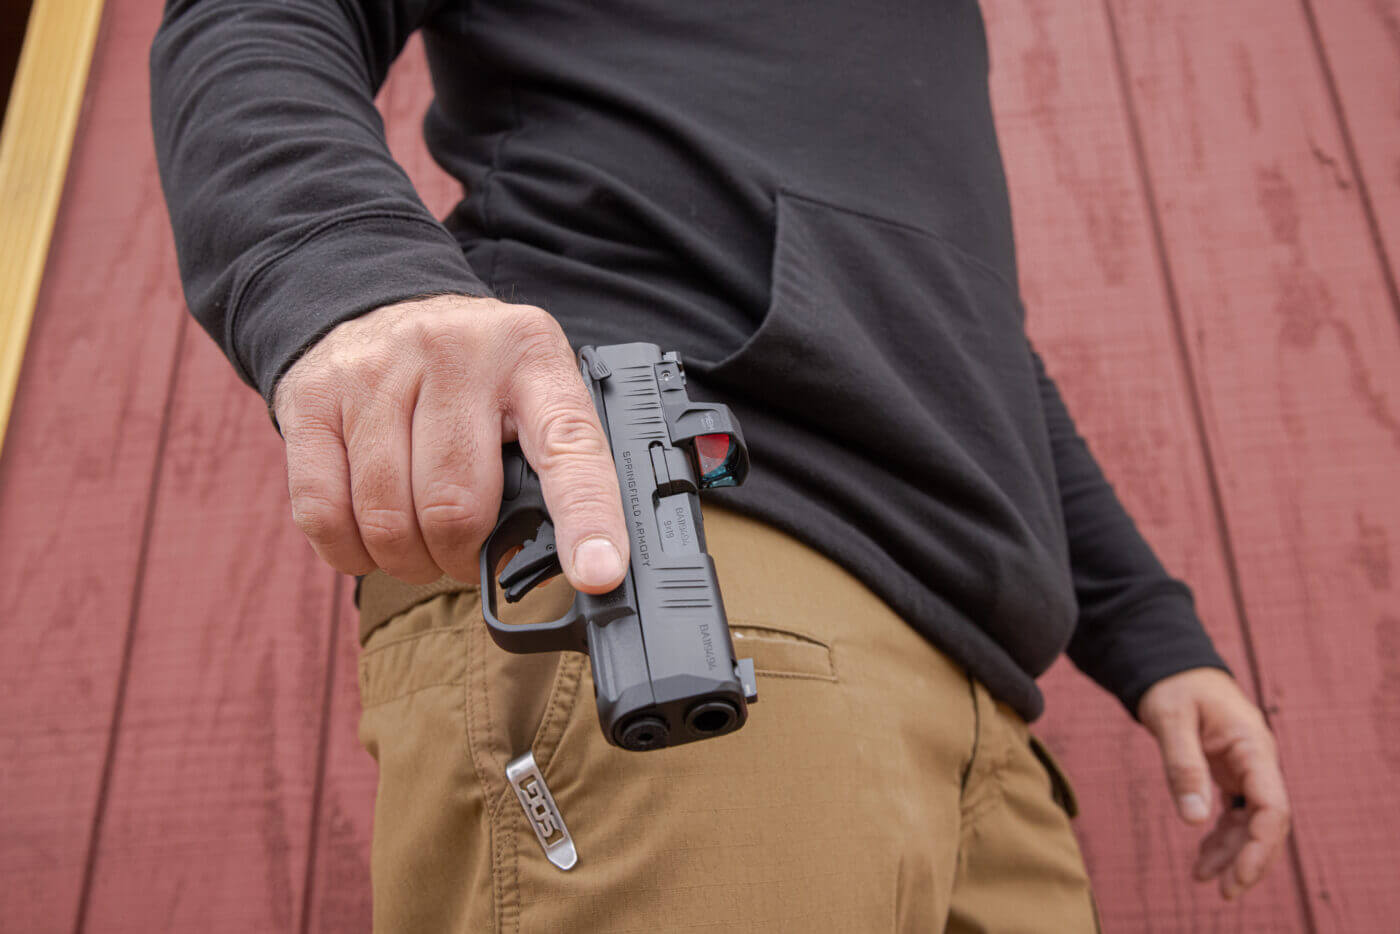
pixel 717 455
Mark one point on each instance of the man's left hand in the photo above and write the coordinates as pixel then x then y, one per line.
pixel 1208 729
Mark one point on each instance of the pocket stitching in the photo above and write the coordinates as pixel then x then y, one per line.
pixel 560 710
pixel 795 675
pixel 366 664
pixel 788 636
pixel 474 700
pixel 402 640
pixel 791 634
pixel 409 693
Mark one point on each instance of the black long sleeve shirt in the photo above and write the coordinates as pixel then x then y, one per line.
pixel 805 199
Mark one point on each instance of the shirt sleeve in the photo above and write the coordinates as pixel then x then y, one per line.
pixel 289 214
pixel 1137 624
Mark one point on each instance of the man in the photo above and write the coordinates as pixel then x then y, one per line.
pixel 806 201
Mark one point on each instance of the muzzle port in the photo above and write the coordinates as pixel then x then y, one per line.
pixel 711 718
pixel 643 732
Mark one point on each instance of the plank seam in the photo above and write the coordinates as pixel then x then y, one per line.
pixel 1198 419
pixel 109 758
pixel 1373 225
pixel 322 755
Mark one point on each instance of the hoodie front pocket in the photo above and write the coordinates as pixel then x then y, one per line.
pixel 890 381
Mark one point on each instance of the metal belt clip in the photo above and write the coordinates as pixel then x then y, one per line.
pixel 541 811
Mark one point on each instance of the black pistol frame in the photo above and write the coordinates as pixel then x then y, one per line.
pixel 663 661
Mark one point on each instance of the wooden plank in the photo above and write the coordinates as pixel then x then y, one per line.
pixel 1296 360
pixel 209 811
pixel 1359 41
pixel 340 893
pixel 245 851
pixel 34 147
pixel 1097 310
pixel 75 481
pixel 232 632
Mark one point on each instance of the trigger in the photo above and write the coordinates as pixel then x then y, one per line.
pixel 536 562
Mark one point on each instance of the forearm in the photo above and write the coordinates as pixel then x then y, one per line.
pixel 1137 623
pixel 289 214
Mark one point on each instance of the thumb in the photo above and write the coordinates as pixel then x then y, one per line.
pixel 1179 735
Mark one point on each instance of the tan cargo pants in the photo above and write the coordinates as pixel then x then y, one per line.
pixel 874 788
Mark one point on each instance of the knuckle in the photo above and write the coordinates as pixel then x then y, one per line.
pixel 440 338
pixel 447 357
pixel 569 435
pixel 1167 714
pixel 450 511
pixel 319 519
pixel 376 420
pixel 534 320
pixel 1247 747
pixel 1267 741
pixel 536 337
pixel 1272 823
pixel 1184 774
pixel 304 402
pixel 348 359
pixel 380 378
pixel 388 530
pixel 363 365
pixel 1174 712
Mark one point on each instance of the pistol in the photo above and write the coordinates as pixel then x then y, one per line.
pixel 664 670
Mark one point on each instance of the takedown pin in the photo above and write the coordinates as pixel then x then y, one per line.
pixel 541 811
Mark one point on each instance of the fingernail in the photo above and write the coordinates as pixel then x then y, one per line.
pixel 1193 807
pixel 596 562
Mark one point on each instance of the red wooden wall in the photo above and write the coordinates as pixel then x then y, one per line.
pixel 1207 201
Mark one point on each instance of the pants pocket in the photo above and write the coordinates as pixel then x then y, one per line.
pixel 781 653
pixel 414 661
pixel 443 710
pixel 1060 786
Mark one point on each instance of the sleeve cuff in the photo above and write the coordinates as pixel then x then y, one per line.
pixel 1152 641
pixel 335 273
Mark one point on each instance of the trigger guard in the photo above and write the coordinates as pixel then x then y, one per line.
pixel 565 633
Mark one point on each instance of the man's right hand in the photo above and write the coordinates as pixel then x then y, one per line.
pixel 394 423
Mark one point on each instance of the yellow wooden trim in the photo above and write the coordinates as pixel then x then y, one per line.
pixel 37 138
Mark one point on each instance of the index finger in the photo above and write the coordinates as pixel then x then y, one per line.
pixel 1266 801
pixel 564 442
